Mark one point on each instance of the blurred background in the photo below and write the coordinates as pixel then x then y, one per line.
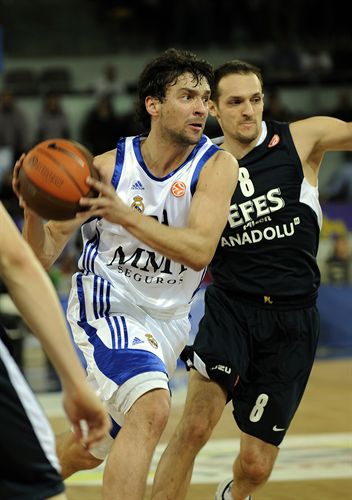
pixel 68 69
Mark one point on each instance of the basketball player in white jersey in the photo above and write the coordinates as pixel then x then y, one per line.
pixel 164 200
pixel 29 465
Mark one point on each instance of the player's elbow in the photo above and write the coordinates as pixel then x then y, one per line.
pixel 196 266
pixel 200 259
pixel 15 263
pixel 45 260
pixel 47 264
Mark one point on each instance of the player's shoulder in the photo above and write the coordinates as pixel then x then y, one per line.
pixel 105 162
pixel 223 163
pixel 220 157
pixel 106 156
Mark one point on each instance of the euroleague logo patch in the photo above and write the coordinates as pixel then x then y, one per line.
pixel 178 189
pixel 274 141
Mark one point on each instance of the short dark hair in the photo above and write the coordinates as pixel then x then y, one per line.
pixel 237 67
pixel 163 71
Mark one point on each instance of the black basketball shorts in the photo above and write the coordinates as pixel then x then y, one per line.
pixel 262 356
pixel 29 466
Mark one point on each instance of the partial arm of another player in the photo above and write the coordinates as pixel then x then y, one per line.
pixel 35 298
pixel 193 245
pixel 47 239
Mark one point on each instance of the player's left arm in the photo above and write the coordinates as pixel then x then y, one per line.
pixel 193 245
pixel 314 136
pixel 35 297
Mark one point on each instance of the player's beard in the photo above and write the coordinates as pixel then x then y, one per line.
pixel 247 138
pixel 182 138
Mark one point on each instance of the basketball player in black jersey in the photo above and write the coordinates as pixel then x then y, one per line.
pixel 29 466
pixel 257 340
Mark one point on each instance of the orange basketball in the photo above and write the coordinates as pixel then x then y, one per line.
pixel 53 176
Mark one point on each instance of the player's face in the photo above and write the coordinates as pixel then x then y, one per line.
pixel 184 111
pixel 240 107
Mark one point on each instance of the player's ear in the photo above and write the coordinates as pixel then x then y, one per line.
pixel 152 105
pixel 212 108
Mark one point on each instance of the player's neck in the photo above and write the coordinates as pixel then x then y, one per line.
pixel 162 158
pixel 236 148
pixel 240 148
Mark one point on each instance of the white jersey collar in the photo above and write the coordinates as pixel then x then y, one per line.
pixel 262 135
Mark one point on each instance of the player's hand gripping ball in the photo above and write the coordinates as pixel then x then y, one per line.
pixel 52 178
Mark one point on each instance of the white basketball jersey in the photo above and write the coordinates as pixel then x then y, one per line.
pixel 115 267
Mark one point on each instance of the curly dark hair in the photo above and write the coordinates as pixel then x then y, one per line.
pixel 162 72
pixel 234 67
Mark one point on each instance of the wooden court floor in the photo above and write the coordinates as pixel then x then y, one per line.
pixel 326 409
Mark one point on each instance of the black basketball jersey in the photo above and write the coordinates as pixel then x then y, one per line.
pixel 270 242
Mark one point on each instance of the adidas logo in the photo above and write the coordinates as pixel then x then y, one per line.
pixel 136 340
pixel 137 185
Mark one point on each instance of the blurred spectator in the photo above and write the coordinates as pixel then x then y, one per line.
pixel 284 60
pixel 13 132
pixel 109 84
pixel 129 125
pixel 52 120
pixel 316 60
pixel 101 128
pixel 340 187
pixel 274 108
pixel 343 109
pixel 338 265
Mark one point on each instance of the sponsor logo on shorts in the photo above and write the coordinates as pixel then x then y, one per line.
pixel 152 341
pixel 189 363
pixel 267 299
pixel 278 429
pixel 222 368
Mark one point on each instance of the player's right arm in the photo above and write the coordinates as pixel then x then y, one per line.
pixel 47 239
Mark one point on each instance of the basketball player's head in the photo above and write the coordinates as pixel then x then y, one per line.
pixel 237 100
pixel 173 68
